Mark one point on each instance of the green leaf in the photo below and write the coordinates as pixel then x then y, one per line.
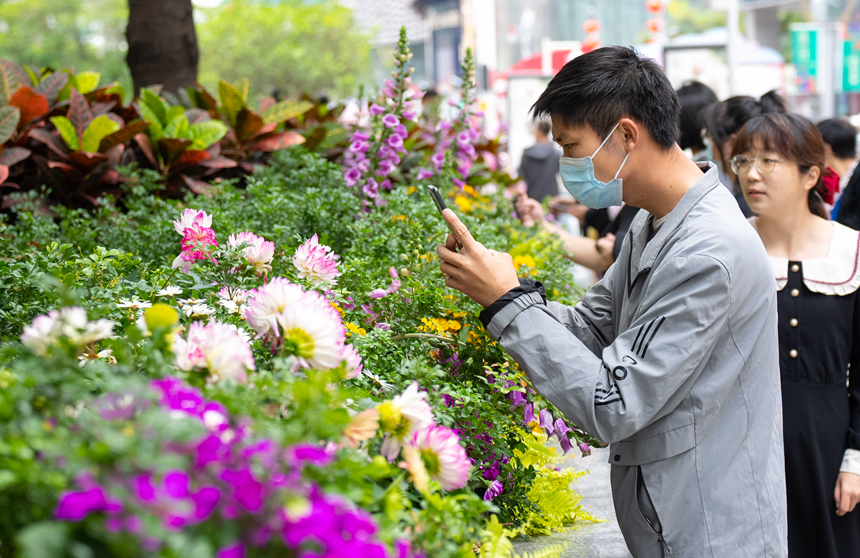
pixel 9 117
pixel 66 91
pixel 204 134
pixel 178 127
pixel 99 128
pixel 9 83
pixel 285 110
pixel 243 87
pixel 171 114
pixel 157 107
pixel 155 131
pixel 87 81
pixel 231 101
pixel 67 132
pixel 46 539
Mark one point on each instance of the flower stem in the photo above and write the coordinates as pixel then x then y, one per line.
pixel 403 336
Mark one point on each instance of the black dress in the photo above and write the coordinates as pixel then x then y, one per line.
pixel 819 335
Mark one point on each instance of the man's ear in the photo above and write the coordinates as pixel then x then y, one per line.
pixel 631 134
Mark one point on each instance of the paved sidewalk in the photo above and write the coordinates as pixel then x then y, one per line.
pixel 601 540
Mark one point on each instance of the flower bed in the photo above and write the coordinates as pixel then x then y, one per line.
pixel 275 368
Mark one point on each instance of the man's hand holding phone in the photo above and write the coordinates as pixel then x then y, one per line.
pixel 481 274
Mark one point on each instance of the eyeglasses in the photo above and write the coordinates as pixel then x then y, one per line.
pixel 741 164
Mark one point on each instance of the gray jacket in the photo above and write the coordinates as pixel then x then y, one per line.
pixel 672 358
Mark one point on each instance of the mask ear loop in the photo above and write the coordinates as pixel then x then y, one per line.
pixel 622 165
pixel 604 141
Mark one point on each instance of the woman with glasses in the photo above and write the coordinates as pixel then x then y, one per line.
pixel 779 159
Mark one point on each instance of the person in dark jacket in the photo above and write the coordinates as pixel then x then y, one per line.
pixel 694 96
pixel 539 166
pixel 722 122
pixel 840 144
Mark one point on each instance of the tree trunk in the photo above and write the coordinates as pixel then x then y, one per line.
pixel 162 44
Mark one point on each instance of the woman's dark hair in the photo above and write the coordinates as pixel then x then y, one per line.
pixel 841 136
pixel 794 138
pixel 605 85
pixel 721 120
pixel 693 96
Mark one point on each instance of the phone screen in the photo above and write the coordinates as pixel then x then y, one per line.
pixel 440 205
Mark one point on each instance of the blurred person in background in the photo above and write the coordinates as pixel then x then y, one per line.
pixel 779 160
pixel 840 144
pixel 722 121
pixel 539 166
pixel 694 96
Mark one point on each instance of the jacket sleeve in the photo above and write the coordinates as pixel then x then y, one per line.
pixel 590 321
pixel 644 373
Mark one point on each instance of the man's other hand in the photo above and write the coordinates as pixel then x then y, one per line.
pixel 482 275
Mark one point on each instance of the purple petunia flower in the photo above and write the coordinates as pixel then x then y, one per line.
pixel 205 501
pixel 236 550
pixel 246 489
pixel 566 446
pixel 493 491
pixel 300 454
pixel 546 420
pixel 74 506
pixel 529 413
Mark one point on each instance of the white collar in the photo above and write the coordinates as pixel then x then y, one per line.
pixel 836 274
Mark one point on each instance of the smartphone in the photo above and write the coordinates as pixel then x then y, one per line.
pixel 440 205
pixel 515 200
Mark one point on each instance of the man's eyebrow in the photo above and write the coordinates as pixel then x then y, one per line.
pixel 557 139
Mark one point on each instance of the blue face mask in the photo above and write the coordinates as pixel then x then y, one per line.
pixel 577 174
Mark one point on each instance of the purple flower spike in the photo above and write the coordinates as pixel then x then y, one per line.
pixel 585 449
pixel 494 490
pixel 529 413
pixel 424 174
pixel 390 121
pixel 409 114
pixel 561 428
pixel 236 550
pixel 516 398
pixel 546 422
pixel 566 446
pixel 376 110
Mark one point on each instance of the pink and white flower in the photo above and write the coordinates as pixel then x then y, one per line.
pixel 194 242
pixel 316 263
pixel 259 253
pixel 443 456
pixel 313 332
pixel 269 301
pixel 191 217
pixel 352 361
pixel 401 417
pixel 69 324
pixel 219 348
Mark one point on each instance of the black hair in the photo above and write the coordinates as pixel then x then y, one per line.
pixel 721 120
pixel 841 136
pixel 544 127
pixel 693 96
pixel 605 85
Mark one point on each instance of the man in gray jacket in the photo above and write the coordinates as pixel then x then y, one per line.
pixel 671 357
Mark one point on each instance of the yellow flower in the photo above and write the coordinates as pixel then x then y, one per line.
pixel 398 218
pixel 337 307
pixel 463 203
pixel 454 325
pixel 469 190
pixel 411 190
pixel 353 328
pixel 525 260
pixel 160 315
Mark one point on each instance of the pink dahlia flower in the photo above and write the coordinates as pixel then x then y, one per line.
pixel 316 263
pixel 216 347
pixel 194 242
pixel 190 217
pixel 444 457
pixel 259 253
pixel 313 332
pixel 269 301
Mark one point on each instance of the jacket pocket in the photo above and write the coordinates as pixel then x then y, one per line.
pixel 646 508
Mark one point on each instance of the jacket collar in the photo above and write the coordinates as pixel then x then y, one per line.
pixel 641 226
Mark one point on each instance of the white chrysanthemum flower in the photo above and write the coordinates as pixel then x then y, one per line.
pixel 133 304
pixel 220 348
pixel 229 305
pixel 401 417
pixel 268 302
pixel 238 296
pixel 313 331
pixel 90 355
pixel 170 291
pixel 69 323
pixel 189 301
pixel 259 253
pixel 198 310
pixel 443 456
pixel 191 216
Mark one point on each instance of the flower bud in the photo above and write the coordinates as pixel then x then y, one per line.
pixel 394 75
pixel 410 71
pixel 404 271
pixel 403 58
pixel 409 56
